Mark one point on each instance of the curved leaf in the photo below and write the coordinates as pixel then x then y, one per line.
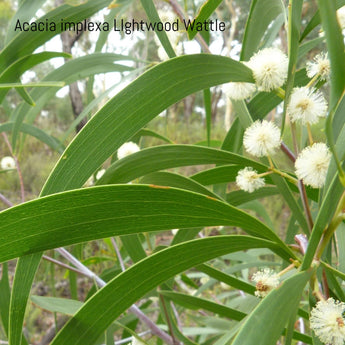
pixel 134 107
pixel 121 292
pixel 54 143
pixel 171 156
pixel 98 212
pixel 277 306
pixel 261 14
pixel 28 41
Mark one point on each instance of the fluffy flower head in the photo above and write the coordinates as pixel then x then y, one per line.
pixel 266 280
pixel 312 165
pixel 327 321
pixel 269 66
pixel 239 90
pixel 306 105
pixel 100 173
pixel 127 149
pixel 320 65
pixel 261 138
pixel 341 16
pixel 248 180
pixel 7 163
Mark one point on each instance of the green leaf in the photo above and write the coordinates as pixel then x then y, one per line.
pixel 66 218
pixel 208 111
pixel 170 156
pixel 70 72
pixel 28 41
pixel 25 12
pixel 153 16
pixel 278 305
pixel 239 197
pixel 261 14
pixel 57 305
pixel 242 112
pixel 23 278
pixel 13 72
pixel 192 302
pixel 5 294
pixel 206 10
pixel 38 84
pixel 316 20
pixel 42 136
pixel 335 47
pixel 234 138
pixel 163 178
pixel 295 17
pixel 227 279
pixel 120 293
pixel 324 216
pixel 134 107
pixel 150 133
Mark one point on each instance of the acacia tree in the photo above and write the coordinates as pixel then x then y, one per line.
pixel 303 280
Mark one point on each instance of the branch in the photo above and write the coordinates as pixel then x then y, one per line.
pixel 5 200
pixel 101 283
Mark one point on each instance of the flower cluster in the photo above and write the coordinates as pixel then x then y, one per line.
pixel 249 180
pixel 306 106
pixel 260 139
pixel 269 67
pixel 266 280
pixel 312 165
pixel 328 322
pixel 7 163
pixel 127 149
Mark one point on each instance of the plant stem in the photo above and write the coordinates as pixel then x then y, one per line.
pixel 305 204
pixel 118 254
pixel 283 174
pixel 300 184
pixel 5 200
pixel 310 136
pixel 288 152
pixel 178 10
pixel 59 263
pixel 101 283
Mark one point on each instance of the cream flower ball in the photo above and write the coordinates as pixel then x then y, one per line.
pixel 320 65
pixel 7 163
pixel 266 280
pixel 127 149
pixel 239 90
pixel 327 321
pixel 312 164
pixel 306 105
pixel 261 138
pixel 270 67
pixel 248 180
pixel 341 16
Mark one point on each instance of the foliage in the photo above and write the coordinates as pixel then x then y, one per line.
pixel 206 191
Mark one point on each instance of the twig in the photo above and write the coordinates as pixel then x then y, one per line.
pixel 5 200
pixel 305 204
pixel 178 10
pixel 59 263
pixel 288 152
pixel 101 283
pixel 118 254
pixel 21 181
pixel 170 327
